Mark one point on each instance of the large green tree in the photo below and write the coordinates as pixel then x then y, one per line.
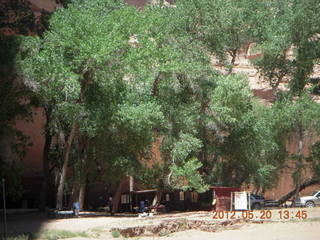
pixel 176 72
pixel 78 58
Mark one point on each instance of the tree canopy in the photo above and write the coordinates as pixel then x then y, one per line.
pixel 116 78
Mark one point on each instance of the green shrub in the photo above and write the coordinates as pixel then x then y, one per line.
pixel 115 234
pixel 164 233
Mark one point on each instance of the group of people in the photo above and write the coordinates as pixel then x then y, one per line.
pixel 143 207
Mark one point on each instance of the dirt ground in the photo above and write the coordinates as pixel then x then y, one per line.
pixel 99 226
pixel 266 231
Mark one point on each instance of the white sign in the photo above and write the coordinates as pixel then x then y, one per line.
pixel 240 201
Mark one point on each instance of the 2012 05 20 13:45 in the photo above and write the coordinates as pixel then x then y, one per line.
pixel 282 214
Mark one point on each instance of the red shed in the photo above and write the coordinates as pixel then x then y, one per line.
pixel 223 196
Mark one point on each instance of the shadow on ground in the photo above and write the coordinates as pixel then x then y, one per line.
pixel 34 222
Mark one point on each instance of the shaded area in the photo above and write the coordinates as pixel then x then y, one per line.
pixel 25 223
pixel 36 222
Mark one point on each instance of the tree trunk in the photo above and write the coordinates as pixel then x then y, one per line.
pixel 45 160
pixel 157 198
pixel 301 187
pixel 233 54
pixel 82 148
pixel 257 190
pixel 67 148
pixel 82 193
pixel 117 197
pixel 299 163
pixel 87 76
pixel 155 85
pixel 74 194
pixel 274 88
pixel 274 93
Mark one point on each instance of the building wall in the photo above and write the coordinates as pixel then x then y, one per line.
pixel 286 183
pixel 33 159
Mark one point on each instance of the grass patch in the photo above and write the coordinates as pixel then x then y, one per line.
pixel 97 231
pixel 115 234
pixel 19 237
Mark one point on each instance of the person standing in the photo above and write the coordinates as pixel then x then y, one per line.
pixel 76 209
pixel 142 206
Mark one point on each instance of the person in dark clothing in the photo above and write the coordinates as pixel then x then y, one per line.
pixel 142 207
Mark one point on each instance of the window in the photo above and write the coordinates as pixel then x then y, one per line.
pixel 194 197
pixel 181 196
pixel 125 199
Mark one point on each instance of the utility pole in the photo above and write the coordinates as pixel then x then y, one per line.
pixel 4 208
